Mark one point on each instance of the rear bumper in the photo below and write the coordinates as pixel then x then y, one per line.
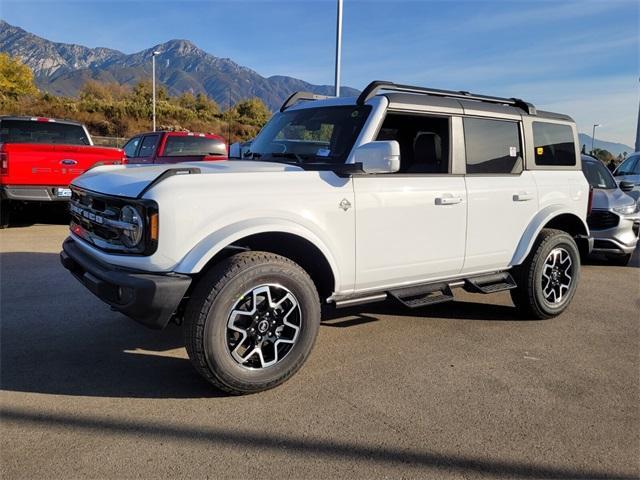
pixel 32 193
pixel 150 299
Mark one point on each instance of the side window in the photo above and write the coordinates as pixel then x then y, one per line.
pixel 553 144
pixel 424 141
pixel 492 146
pixel 131 147
pixel 148 145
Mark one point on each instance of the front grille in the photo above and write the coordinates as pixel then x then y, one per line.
pixel 602 219
pixel 96 219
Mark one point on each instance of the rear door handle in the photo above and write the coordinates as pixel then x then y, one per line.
pixel 448 200
pixel 522 197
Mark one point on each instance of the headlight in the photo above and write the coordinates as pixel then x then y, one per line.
pixel 628 210
pixel 132 235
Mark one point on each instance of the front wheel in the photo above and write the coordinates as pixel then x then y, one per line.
pixel 548 279
pixel 252 322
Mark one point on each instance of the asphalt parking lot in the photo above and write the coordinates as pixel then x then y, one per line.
pixel 460 390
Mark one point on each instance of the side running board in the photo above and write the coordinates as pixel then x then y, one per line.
pixel 421 296
pixel 496 282
pixel 433 293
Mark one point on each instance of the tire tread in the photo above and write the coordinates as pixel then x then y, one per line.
pixel 205 293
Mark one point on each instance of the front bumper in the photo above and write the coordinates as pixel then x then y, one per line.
pixel 33 193
pixel 150 299
pixel 619 240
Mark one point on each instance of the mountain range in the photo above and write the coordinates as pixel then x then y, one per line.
pixel 615 148
pixel 62 69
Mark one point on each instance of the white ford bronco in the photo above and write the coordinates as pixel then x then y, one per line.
pixel 403 193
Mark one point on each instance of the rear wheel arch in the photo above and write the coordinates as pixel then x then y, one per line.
pixel 551 218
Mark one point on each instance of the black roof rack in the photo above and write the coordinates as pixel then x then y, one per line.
pixel 374 87
pixel 301 96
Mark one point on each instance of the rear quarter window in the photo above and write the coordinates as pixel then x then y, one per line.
pixel 31 131
pixel 554 144
pixel 185 146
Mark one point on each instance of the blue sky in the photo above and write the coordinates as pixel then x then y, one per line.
pixel 577 57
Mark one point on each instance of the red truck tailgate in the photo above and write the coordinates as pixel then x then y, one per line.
pixel 47 164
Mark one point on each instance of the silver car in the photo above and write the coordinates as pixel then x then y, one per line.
pixel 628 175
pixel 614 219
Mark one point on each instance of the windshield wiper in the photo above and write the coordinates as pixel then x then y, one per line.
pixel 251 155
pixel 291 155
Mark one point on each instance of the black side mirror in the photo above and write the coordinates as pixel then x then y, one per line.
pixel 626 186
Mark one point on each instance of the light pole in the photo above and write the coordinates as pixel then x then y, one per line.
pixel 593 136
pixel 338 47
pixel 153 85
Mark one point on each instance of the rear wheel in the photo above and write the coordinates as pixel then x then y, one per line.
pixel 548 279
pixel 252 322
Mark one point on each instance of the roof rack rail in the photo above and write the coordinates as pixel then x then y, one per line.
pixel 374 87
pixel 301 96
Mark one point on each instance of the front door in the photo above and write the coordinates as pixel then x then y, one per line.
pixel 410 225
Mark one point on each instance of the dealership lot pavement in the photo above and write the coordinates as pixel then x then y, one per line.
pixel 461 390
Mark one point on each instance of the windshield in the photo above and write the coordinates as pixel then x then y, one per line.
pixel 29 131
pixel 631 166
pixel 323 135
pixel 598 175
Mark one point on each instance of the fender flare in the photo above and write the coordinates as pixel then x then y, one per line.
pixel 538 222
pixel 196 259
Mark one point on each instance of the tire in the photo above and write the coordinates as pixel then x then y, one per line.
pixel 225 322
pixel 542 292
pixel 619 260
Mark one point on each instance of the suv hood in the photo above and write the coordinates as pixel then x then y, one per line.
pixel 607 199
pixel 130 180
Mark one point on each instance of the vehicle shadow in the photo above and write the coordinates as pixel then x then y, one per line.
pixel 57 338
pixel 453 310
pixel 55 213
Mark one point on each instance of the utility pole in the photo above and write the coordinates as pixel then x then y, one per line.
pixel 338 48
pixel 593 136
pixel 153 84
pixel 638 131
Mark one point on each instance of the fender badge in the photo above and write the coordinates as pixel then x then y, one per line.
pixel 345 204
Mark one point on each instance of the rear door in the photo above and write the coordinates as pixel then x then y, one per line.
pixel 502 196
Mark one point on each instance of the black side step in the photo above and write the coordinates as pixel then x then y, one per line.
pixel 414 297
pixel 496 282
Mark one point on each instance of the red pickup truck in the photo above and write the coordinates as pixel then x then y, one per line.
pixel 39 157
pixel 174 147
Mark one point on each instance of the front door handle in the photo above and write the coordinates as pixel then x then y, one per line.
pixel 448 200
pixel 522 197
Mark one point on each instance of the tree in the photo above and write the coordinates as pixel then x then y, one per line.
pixel 206 106
pixel 603 155
pixel 93 90
pixel 252 112
pixel 16 78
